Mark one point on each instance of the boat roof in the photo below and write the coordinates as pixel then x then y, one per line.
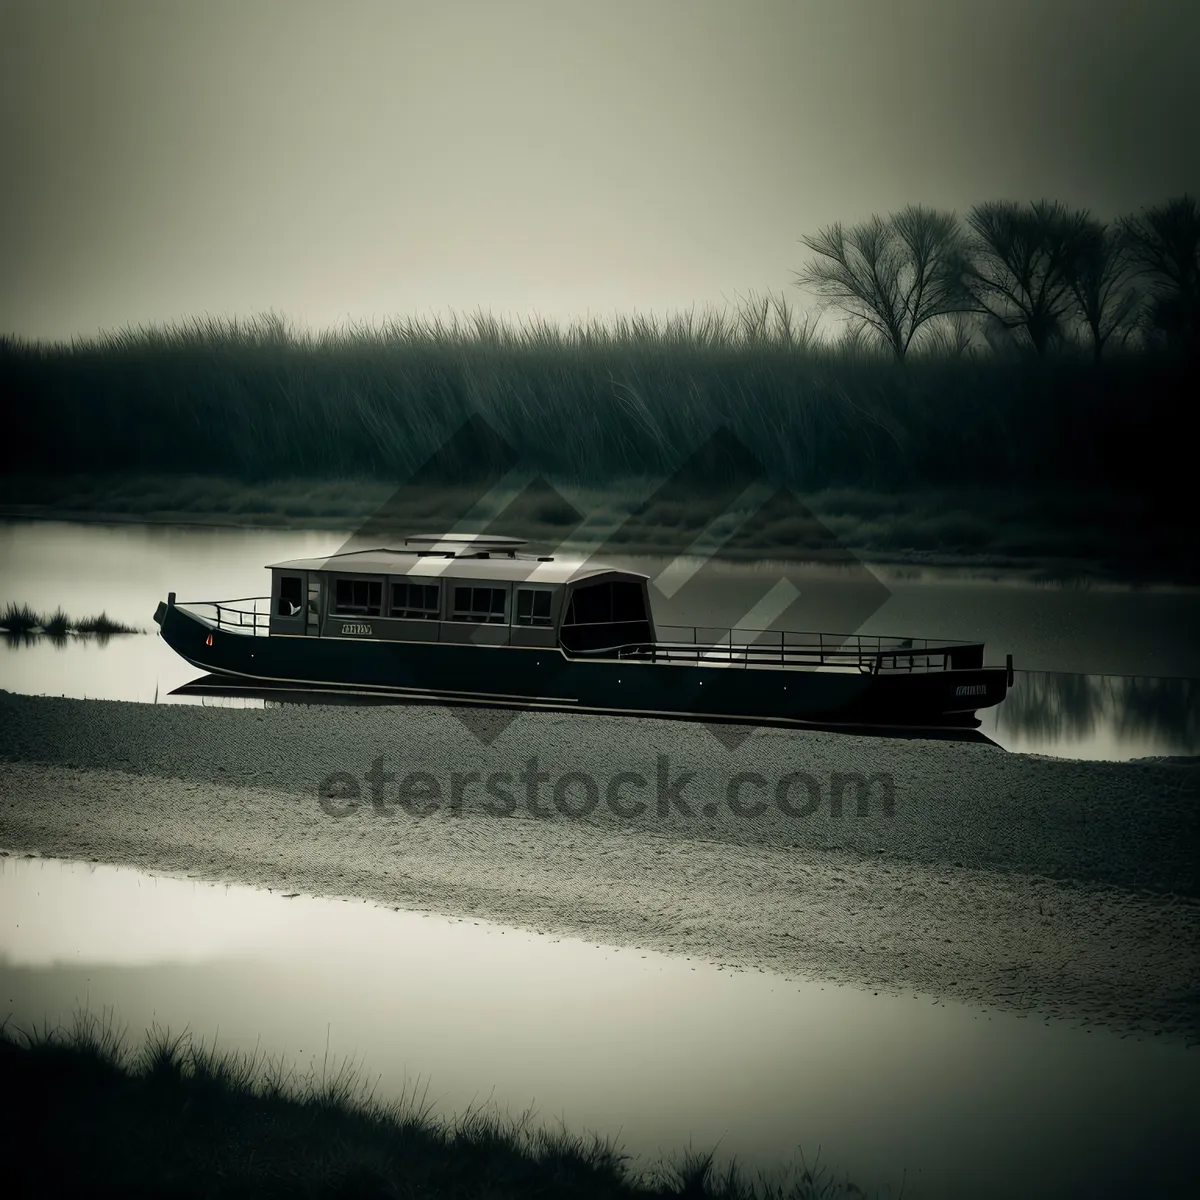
pixel 473 541
pixel 459 560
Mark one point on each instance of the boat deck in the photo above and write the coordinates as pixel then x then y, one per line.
pixel 767 649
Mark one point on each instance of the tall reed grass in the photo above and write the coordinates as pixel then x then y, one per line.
pixel 587 404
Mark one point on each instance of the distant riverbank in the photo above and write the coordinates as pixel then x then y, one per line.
pixel 1096 536
pixel 1057 462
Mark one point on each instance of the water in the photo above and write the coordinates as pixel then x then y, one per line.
pixel 662 1052
pixel 1103 672
pixel 947 1100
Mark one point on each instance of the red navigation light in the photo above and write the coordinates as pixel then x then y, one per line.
pixel 208 640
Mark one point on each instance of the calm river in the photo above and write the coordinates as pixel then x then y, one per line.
pixel 941 1099
pixel 946 1100
pixel 1102 672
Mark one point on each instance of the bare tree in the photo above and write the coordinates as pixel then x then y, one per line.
pixel 1165 243
pixel 1001 340
pixel 891 275
pixel 1019 267
pixel 963 328
pixel 1100 276
pixel 953 336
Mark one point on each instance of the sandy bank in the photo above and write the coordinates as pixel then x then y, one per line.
pixel 1062 888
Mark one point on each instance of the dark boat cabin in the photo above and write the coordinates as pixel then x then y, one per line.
pixel 464 589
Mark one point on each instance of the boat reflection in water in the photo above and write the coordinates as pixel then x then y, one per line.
pixel 222 687
pixel 1046 712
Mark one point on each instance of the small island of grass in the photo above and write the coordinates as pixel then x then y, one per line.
pixel 20 619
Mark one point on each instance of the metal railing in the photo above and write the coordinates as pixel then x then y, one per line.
pixel 866 653
pixel 232 615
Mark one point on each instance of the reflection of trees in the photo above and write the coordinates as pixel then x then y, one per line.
pixel 1169 706
pixel 1049 705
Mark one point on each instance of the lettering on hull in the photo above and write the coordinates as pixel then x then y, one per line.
pixel 971 689
pixel 355 627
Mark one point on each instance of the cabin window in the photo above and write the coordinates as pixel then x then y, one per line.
pixel 358 597
pixel 606 604
pixel 291 596
pixel 416 601
pixel 533 606
pixel 480 604
pixel 604 616
pixel 628 603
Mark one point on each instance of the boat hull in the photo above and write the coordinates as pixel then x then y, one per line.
pixel 548 678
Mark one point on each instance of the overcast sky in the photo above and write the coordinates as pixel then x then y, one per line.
pixel 364 160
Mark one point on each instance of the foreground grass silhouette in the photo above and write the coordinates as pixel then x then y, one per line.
pixel 176 1119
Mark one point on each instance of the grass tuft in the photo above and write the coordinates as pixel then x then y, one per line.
pixel 58 624
pixel 19 618
pixel 103 626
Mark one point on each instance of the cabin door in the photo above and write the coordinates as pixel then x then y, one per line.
pixel 313 623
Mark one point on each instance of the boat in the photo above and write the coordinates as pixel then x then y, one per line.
pixel 474 619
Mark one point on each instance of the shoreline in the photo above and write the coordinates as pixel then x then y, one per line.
pixel 1052 566
pixel 1021 885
